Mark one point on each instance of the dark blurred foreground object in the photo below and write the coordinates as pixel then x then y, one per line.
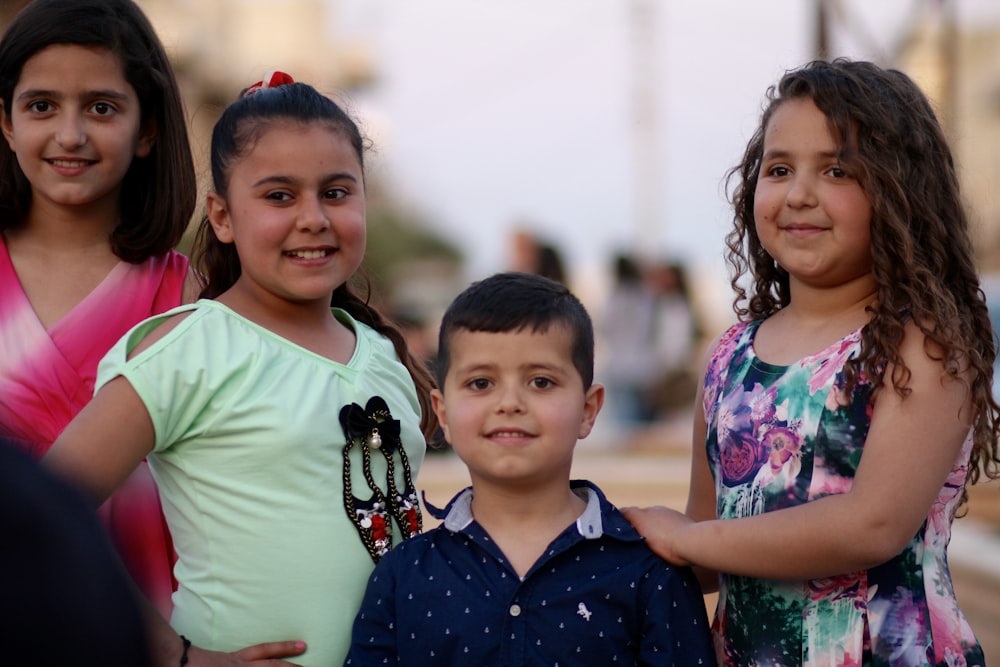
pixel 65 598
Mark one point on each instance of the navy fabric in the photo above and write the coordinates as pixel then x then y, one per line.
pixel 598 596
pixel 65 597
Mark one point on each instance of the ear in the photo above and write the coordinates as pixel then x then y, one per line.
pixel 147 139
pixel 592 403
pixel 218 216
pixel 437 402
pixel 6 126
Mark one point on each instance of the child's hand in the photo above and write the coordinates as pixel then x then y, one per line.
pixel 268 653
pixel 660 526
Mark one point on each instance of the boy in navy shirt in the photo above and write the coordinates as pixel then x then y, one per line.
pixel 527 568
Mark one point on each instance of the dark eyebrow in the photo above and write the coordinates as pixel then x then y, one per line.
pixel 782 154
pixel 286 180
pixel 89 94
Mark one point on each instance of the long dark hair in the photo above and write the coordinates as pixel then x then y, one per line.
pixel 159 191
pixel 235 133
pixel 890 139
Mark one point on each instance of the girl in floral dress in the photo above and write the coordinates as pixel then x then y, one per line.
pixel 843 416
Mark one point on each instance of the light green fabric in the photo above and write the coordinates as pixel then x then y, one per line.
pixel 248 458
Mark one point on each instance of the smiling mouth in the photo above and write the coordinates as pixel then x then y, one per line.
pixel 509 434
pixel 798 226
pixel 308 254
pixel 71 164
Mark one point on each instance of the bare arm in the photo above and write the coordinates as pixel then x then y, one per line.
pixel 104 443
pixel 97 451
pixel 701 504
pixel 113 433
pixel 911 448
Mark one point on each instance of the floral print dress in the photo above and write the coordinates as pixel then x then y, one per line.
pixel 780 436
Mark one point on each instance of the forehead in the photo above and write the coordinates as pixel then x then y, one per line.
pixel 75 64
pixel 310 145
pixel 798 122
pixel 519 347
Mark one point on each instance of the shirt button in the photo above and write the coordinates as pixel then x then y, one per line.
pixel 515 610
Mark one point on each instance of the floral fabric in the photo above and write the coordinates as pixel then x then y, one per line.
pixel 780 436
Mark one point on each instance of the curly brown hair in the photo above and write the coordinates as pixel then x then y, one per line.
pixel 890 139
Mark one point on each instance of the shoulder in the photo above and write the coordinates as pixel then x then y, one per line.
pixel 925 359
pixel 731 337
pixel 725 346
pixel 364 331
pixel 625 551
pixel 603 519
pixel 408 553
pixel 173 267
pixel 154 329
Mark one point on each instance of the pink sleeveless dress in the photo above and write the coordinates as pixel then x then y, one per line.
pixel 47 376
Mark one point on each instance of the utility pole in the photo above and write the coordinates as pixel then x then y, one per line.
pixel 948 54
pixel 646 150
pixel 822 30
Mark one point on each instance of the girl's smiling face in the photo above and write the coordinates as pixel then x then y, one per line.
pixel 295 208
pixel 75 125
pixel 811 214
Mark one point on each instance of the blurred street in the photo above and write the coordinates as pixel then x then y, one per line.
pixel 652 469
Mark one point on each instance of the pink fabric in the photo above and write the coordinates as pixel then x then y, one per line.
pixel 47 376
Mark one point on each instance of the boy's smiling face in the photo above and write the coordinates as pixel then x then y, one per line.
pixel 513 404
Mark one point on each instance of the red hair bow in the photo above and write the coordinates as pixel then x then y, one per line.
pixel 272 80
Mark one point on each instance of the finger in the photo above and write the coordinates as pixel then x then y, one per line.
pixel 270 650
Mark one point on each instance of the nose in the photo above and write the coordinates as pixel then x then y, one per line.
pixel 71 133
pixel 801 192
pixel 313 216
pixel 510 400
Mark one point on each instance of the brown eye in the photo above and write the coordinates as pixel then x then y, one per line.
pixel 542 383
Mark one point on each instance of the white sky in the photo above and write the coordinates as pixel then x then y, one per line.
pixel 493 113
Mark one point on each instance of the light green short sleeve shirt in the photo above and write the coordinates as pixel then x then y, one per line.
pixel 249 459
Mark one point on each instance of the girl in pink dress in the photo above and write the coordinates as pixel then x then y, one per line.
pixel 97 186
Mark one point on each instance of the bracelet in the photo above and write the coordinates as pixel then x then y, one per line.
pixel 184 655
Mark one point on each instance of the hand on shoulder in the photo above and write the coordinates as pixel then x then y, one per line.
pixel 661 527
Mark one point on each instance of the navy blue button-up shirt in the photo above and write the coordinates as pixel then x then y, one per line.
pixel 597 597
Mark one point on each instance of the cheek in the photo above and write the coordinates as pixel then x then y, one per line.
pixel 356 229
pixel 351 230
pixel 568 418
pixel 764 206
pixel 763 221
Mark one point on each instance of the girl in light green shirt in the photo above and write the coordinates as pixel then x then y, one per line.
pixel 283 418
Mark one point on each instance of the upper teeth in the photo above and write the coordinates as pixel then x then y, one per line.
pixel 309 254
pixel 69 163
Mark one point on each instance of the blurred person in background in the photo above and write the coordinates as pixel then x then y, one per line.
pixel 627 329
pixel 676 337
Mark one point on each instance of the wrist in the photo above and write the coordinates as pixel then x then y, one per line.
pixel 184 654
